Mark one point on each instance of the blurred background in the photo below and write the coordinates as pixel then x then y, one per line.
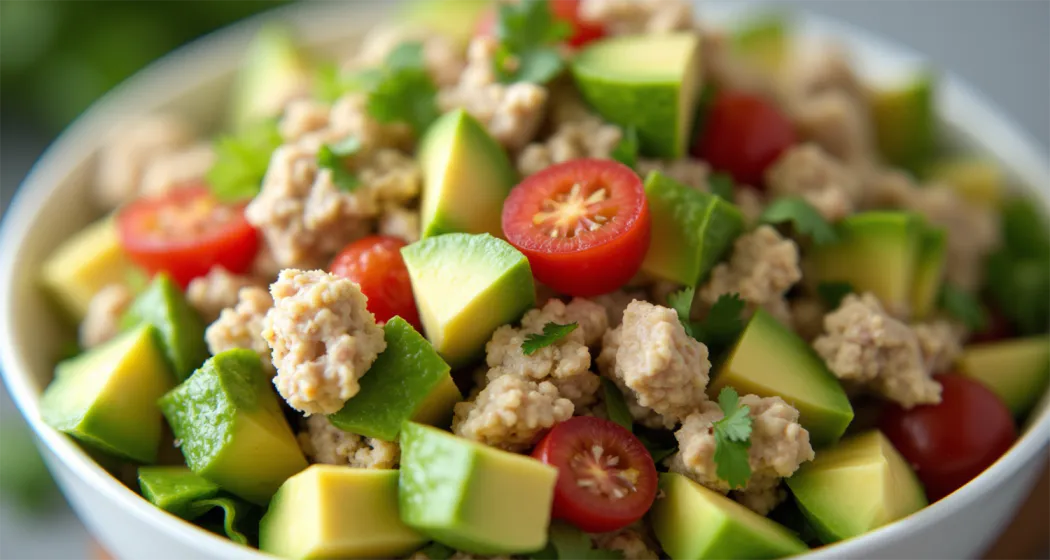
pixel 57 57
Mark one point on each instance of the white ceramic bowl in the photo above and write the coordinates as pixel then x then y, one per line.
pixel 53 203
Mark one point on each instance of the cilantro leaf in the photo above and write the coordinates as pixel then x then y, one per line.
pixel 403 90
pixel 682 303
pixel 437 551
pixel 615 405
pixel 552 332
pixel 721 185
pixel 626 150
pixel 569 543
pixel 805 218
pixel 733 439
pixel 231 507
pixel 657 450
pixel 723 323
pixel 331 82
pixel 832 293
pixel 331 156
pixel 528 34
pixel 241 160
pixel 963 306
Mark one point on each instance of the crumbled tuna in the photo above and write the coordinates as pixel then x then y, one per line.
pixel 838 123
pixel 863 344
pixel 241 326
pixel 323 339
pixel 941 343
pixel 751 204
pixel 807 316
pixel 324 443
pixel 215 291
pixel 171 170
pixel 310 124
pixel 565 104
pixel 102 321
pixel 726 70
pixel 629 540
pixel 808 171
pixel 687 171
pixel 443 59
pixel 822 68
pixel 590 318
pixel 511 413
pixel 589 138
pixel 129 150
pixel 616 302
pixel 457 555
pixel 631 17
pixel 398 221
pixel 265 266
pixel 779 445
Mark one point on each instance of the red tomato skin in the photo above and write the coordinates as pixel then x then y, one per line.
pixel 184 259
pixel 565 10
pixel 376 265
pixel 950 443
pixel 593 263
pixel 743 136
pixel 587 511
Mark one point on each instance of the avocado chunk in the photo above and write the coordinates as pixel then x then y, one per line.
pixel 763 40
pixel 466 286
pixel 466 176
pixel 930 261
pixel 456 19
pixel 181 329
pixel 174 488
pixel 327 511
pixel 107 396
pixel 232 429
pixel 860 484
pixel 84 264
pixel 1018 370
pixel 650 82
pixel 472 497
pixel 408 381
pixel 691 230
pixel 696 523
pixel 274 71
pixel 771 361
pixel 977 180
pixel 876 252
pixel 905 121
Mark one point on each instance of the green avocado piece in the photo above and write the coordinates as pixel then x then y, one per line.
pixel 456 19
pixel 769 360
pixel 930 261
pixel 175 488
pixel 978 180
pixel 876 252
pixel 466 176
pixel 764 40
pixel 473 497
pixel 408 381
pixel 696 523
pixel 1018 370
pixel 274 69
pixel 328 511
pixel 651 82
pixel 860 484
pixel 180 328
pixel 232 429
pixel 905 121
pixel 466 286
pixel 691 230
pixel 107 396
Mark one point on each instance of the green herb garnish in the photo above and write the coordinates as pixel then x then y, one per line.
pixel 733 439
pixel 616 405
pixel 626 150
pixel 552 332
pixel 241 160
pixel 403 90
pixel 528 34
pixel 963 306
pixel 332 156
pixel 803 216
pixel 569 543
pixel 722 324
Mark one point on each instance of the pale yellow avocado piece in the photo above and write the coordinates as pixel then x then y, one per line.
pixel 978 181
pixel 84 264
pixel 329 511
pixel 1017 370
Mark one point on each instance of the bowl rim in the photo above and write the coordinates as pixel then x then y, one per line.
pixel 214 55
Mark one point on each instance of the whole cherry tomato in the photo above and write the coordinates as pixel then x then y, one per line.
pixel 583 32
pixel 375 264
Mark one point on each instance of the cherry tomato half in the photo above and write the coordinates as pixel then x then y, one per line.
pixel 185 233
pixel 952 442
pixel 606 477
pixel 744 134
pixel 583 224
pixel 375 264
pixel 583 32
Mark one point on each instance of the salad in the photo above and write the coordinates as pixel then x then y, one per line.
pixel 551 279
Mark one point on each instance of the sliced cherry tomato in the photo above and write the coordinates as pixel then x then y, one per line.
pixel 185 233
pixel 606 477
pixel 743 135
pixel 375 264
pixel 583 32
pixel 583 224
pixel 952 442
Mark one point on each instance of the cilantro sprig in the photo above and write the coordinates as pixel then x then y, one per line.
pixel 615 404
pixel 241 160
pixel 803 216
pixel 732 439
pixel 552 332
pixel 528 35
pixel 332 156
pixel 626 150
pixel 722 324
pixel 403 90
pixel 963 306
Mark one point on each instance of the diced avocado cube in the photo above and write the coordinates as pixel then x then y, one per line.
pixel 905 121
pixel 651 82
pixel 274 71
pixel 764 40
pixel 1018 370
pixel 876 252
pixel 860 484
pixel 456 19
pixel 84 264
pixel 107 396
pixel 472 497
pixel 696 523
pixel 174 488
pixel 691 230
pixel 328 511
pixel 181 329
pixel 930 265
pixel 466 286
pixel 978 180
pixel 771 361
pixel 232 430
pixel 408 381
pixel 466 176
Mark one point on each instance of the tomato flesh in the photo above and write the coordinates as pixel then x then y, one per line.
pixel 185 233
pixel 584 225
pixel 743 135
pixel 376 265
pixel 583 32
pixel 950 443
pixel 606 477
